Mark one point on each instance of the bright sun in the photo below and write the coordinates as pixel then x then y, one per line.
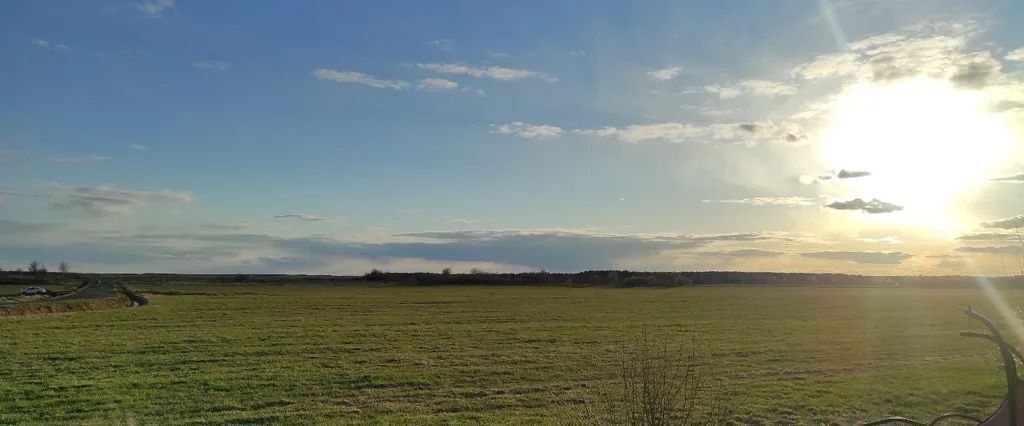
pixel 923 141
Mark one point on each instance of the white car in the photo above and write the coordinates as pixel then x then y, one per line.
pixel 27 291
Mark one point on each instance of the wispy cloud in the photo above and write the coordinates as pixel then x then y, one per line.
pixel 751 87
pixel 491 72
pixel 873 206
pixel 1010 178
pixel 1015 55
pixel 935 49
pixel 676 132
pixel 988 236
pixel 154 7
pixel 301 216
pixel 342 76
pixel 873 257
pixel 436 85
pixel 770 201
pixel 81 159
pixel 665 74
pixel 211 65
pixel 138 147
pixel 745 253
pixel 1008 223
pixel 444 44
pixel 527 130
pixel 43 44
pixel 107 200
pixel 1011 249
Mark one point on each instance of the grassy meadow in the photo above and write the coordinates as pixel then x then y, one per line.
pixel 250 354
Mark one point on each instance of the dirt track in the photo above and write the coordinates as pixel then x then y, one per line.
pixel 92 290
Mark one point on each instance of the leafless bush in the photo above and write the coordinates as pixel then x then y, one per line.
pixel 657 383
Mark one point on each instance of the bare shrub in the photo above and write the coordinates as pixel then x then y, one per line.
pixel 657 383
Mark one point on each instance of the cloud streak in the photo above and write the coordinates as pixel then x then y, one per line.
pixel 1007 223
pixel 870 257
pixel 154 7
pixel 763 88
pixel 80 159
pixel 491 72
pixel 107 200
pixel 665 74
pixel 677 132
pixel 527 130
pixel 342 76
pixel 770 201
pixel 301 216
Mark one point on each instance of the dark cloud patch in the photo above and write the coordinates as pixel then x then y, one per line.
pixel 1014 249
pixel 874 206
pixel 1008 223
pixel 1010 178
pixel 750 127
pixel 872 257
pixel 981 72
pixel 890 67
pixel 850 174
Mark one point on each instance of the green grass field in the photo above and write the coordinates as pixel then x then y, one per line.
pixel 301 354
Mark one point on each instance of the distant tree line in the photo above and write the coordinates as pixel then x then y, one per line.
pixel 625 278
pixel 36 271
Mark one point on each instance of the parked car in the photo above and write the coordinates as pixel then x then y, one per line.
pixel 27 291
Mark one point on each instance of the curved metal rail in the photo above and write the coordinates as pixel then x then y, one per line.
pixel 1010 358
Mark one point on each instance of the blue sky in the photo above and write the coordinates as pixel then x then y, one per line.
pixel 333 137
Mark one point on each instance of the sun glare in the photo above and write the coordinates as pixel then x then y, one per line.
pixel 924 143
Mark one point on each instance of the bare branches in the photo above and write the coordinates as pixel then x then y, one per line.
pixel 658 382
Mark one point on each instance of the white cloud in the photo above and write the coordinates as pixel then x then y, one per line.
pixel 492 72
pixel 932 49
pixel 107 200
pixel 751 87
pixel 676 132
pixel 527 130
pixel 665 74
pixel 301 216
pixel 81 159
pixel 211 65
pixel 43 44
pixel 436 84
pixel 1015 55
pixel 770 201
pixel 138 147
pixel 154 7
pixel 709 111
pixel 341 76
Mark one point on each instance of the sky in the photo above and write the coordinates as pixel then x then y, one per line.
pixel 856 136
